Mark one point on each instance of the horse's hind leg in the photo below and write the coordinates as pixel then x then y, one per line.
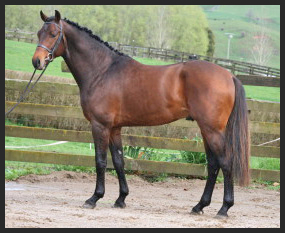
pixel 116 149
pixel 228 200
pixel 216 160
pixel 213 170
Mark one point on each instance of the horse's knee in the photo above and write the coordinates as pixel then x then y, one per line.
pixel 101 165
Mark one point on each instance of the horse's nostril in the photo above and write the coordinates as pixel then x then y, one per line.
pixel 36 63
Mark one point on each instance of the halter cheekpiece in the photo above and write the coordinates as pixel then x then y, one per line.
pixel 51 51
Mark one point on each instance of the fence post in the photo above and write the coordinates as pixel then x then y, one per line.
pixel 119 47
pixel 182 54
pixel 268 72
pixel 250 70
pixel 233 69
pixel 16 34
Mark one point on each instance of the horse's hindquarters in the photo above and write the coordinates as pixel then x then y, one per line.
pixel 210 94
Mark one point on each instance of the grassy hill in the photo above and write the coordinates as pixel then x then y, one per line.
pixel 244 21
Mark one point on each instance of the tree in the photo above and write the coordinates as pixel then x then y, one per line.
pixel 262 49
pixel 182 28
pixel 158 27
pixel 211 45
pixel 249 14
pixel 189 29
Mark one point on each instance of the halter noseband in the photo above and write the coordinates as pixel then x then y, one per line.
pixel 51 51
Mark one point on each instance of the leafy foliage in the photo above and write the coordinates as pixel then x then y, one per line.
pixel 173 27
pixel 194 157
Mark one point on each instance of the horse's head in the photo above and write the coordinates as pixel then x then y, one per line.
pixel 51 41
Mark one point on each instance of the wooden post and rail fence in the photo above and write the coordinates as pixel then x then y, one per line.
pixel 264 119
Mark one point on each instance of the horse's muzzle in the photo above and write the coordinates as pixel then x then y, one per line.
pixel 36 63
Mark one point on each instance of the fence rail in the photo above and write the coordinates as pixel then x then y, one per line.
pixel 68 94
pixel 131 140
pixel 20 35
pixel 165 54
pixel 131 164
pixel 75 112
pixel 197 170
pixel 178 56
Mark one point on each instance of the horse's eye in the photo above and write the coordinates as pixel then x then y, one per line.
pixel 53 34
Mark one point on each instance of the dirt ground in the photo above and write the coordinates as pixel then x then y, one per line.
pixel 55 201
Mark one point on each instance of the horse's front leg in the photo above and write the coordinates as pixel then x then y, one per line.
pixel 101 140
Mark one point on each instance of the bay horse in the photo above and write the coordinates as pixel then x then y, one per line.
pixel 117 91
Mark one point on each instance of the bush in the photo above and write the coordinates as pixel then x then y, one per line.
pixel 194 157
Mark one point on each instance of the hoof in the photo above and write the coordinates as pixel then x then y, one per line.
pixel 121 205
pixel 88 205
pixel 197 212
pixel 221 216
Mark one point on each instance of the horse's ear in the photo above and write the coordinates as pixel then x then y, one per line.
pixel 57 16
pixel 43 16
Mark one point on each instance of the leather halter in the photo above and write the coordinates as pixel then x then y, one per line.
pixel 51 51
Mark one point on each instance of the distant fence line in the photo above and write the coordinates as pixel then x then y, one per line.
pixel 165 54
pixel 252 79
pixel 20 35
pixel 178 56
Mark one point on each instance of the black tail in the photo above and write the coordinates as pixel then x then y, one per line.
pixel 237 140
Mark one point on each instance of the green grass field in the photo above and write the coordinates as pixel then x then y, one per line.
pixel 18 56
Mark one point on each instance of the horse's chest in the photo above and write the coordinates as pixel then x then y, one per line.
pixel 98 108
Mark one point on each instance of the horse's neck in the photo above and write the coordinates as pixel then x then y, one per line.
pixel 86 58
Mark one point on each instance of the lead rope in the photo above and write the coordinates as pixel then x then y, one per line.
pixel 27 90
pixel 49 59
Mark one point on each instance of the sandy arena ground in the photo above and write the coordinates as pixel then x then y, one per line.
pixel 55 201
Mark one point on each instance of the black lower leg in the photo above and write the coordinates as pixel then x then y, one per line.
pixel 100 185
pixel 124 191
pixel 118 161
pixel 205 200
pixel 101 140
pixel 228 200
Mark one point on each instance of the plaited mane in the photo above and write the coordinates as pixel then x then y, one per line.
pixel 90 33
